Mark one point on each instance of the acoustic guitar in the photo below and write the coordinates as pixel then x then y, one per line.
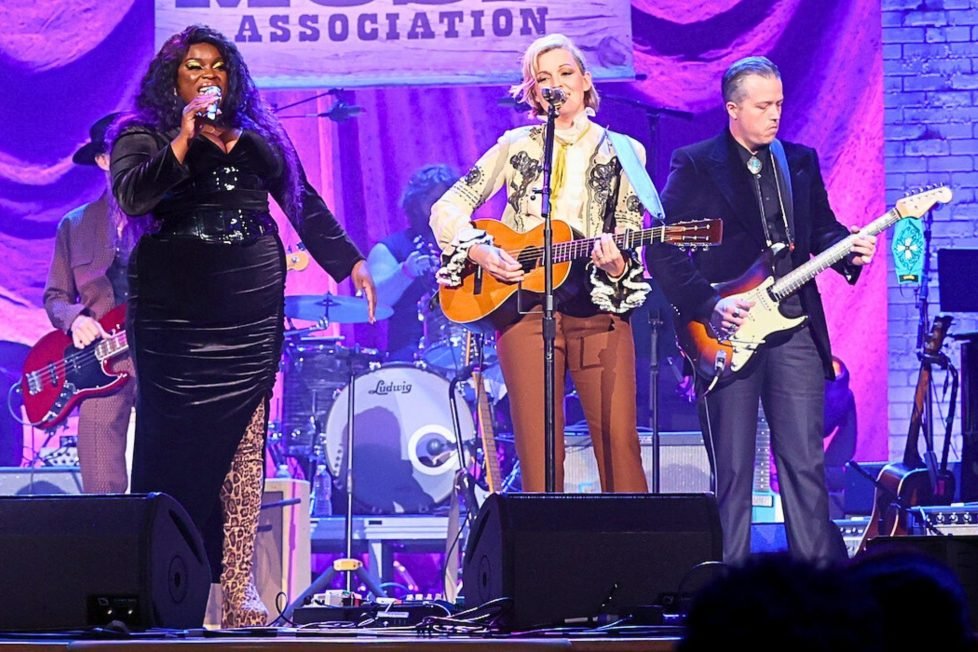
pixel 718 358
pixel 479 296
pixel 913 482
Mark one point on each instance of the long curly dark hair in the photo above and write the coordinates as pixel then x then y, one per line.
pixel 160 108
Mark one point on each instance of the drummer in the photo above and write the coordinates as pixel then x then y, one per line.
pixel 403 264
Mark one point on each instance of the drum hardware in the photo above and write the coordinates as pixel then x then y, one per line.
pixel 346 565
pixel 332 308
pixel 443 342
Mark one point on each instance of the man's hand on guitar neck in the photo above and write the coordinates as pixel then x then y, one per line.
pixel 85 330
pixel 863 248
pixel 498 262
pixel 729 314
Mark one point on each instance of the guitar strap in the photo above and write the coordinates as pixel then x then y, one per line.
pixel 784 183
pixel 637 175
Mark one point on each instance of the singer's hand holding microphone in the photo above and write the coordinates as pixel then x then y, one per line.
pixel 205 106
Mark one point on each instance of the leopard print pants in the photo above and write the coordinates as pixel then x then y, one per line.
pixel 241 496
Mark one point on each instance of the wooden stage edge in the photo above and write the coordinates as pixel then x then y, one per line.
pixel 335 643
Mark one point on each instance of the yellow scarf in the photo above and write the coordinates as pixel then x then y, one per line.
pixel 560 165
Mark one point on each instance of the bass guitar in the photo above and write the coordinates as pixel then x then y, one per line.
pixel 915 481
pixel 717 358
pixel 480 295
pixel 57 375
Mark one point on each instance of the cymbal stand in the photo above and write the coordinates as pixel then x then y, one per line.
pixel 346 564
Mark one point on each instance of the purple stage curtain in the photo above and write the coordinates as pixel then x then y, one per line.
pixel 65 63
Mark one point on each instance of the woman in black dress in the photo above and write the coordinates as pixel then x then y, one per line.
pixel 201 154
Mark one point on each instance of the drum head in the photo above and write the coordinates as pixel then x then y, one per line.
pixel 404 455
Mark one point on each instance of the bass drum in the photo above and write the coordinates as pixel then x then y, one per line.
pixel 404 456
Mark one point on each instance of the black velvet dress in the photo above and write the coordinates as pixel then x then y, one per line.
pixel 205 315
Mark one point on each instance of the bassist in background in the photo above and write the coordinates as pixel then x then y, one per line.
pixel 593 338
pixel 87 278
pixel 770 196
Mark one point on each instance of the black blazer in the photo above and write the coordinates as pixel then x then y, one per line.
pixel 707 180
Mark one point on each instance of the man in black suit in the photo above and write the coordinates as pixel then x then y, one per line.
pixel 770 195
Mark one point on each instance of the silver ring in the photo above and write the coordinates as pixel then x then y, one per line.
pixel 736 314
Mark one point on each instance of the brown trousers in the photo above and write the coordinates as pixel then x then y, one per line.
pixel 599 353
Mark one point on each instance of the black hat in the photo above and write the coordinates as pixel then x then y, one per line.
pixel 86 153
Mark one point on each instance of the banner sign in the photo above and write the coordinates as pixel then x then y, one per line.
pixel 357 43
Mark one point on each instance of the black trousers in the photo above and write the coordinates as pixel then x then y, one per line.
pixel 786 377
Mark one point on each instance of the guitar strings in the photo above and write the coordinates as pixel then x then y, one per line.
pixel 569 248
pixel 81 358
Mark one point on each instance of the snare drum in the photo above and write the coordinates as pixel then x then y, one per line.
pixel 404 457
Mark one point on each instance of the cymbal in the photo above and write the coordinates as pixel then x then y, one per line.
pixel 342 310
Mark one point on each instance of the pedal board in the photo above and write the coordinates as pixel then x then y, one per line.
pixel 371 615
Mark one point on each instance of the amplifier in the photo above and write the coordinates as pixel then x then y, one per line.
pixel 852 530
pixel 682 458
pixel 22 481
pixel 958 519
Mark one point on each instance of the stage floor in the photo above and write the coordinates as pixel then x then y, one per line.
pixel 337 641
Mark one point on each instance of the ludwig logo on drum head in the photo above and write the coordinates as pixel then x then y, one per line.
pixel 382 388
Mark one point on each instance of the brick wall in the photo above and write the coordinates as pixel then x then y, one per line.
pixel 930 52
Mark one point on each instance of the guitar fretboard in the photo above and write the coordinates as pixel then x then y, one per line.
pixel 111 346
pixel 574 249
pixel 794 280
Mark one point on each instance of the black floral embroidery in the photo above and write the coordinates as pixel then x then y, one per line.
pixel 474 176
pixel 633 205
pixel 600 179
pixel 527 170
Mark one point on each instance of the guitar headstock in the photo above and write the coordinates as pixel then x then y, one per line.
pixel 699 233
pixel 935 340
pixel 920 201
pixel 297 260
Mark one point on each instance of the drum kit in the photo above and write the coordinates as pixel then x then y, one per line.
pixel 404 435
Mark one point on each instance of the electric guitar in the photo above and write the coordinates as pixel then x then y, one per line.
pixel 57 375
pixel 480 295
pixel 914 482
pixel 717 358
pixel 486 472
pixel 765 503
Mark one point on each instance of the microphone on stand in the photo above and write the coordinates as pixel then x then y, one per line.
pixel 554 96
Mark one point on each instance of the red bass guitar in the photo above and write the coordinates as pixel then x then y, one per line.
pixel 57 375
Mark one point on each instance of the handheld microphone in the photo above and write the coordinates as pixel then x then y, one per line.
pixel 212 108
pixel 554 96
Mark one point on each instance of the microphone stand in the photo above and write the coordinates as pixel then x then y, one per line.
pixel 655 322
pixel 549 323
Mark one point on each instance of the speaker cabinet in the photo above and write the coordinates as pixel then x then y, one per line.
pixel 558 557
pixel 20 481
pixel 683 462
pixel 80 561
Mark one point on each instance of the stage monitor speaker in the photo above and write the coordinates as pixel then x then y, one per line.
pixel 959 553
pixel 559 557
pixel 71 562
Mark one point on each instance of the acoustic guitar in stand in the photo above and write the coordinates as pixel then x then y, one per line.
pixel 915 481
